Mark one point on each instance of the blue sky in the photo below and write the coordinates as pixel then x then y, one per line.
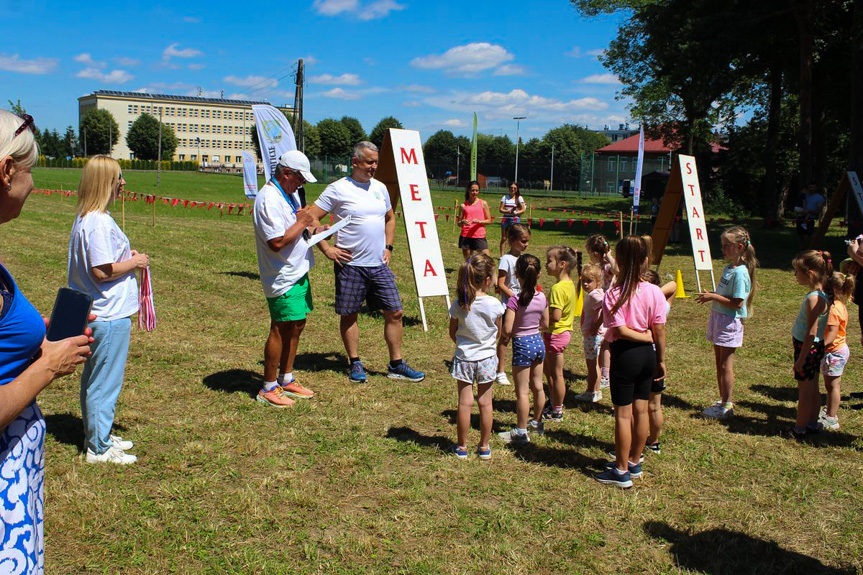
pixel 430 64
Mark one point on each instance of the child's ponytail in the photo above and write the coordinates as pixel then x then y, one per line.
pixel 471 276
pixel 527 269
pixel 842 286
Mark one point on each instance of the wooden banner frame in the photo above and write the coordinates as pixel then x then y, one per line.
pixel 665 219
pixel 401 168
pixel 850 181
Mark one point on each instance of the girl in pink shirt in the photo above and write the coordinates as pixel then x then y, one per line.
pixel 634 314
pixel 473 215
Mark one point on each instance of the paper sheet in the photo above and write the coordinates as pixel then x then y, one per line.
pixel 325 234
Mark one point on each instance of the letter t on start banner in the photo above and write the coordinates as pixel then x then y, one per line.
pixel 401 167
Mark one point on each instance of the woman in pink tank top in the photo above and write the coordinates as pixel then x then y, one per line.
pixel 473 215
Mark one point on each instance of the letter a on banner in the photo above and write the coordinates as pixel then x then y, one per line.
pixel 684 182
pixel 401 167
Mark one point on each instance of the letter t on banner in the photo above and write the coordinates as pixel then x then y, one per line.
pixel 401 166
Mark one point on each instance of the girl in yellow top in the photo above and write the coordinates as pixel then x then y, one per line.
pixel 836 349
pixel 559 263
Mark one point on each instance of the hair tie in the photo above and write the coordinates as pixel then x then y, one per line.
pixel 829 261
pixel 746 242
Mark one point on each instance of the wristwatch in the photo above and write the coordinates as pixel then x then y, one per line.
pixel 389 247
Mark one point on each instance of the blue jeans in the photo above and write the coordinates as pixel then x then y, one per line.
pixel 102 379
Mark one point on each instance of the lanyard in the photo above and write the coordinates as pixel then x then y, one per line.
pixel 287 197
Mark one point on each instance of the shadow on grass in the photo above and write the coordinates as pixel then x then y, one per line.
pixel 407 320
pixel 585 441
pixel 556 457
pixel 745 554
pixel 783 393
pixel 235 381
pixel 408 435
pixel 68 429
pixel 320 361
pixel 496 426
pixel 247 275
pixel 669 400
pixel 773 426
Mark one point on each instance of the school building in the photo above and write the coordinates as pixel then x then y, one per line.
pixel 614 164
pixel 213 131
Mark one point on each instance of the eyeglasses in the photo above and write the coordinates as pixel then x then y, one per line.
pixel 300 174
pixel 28 123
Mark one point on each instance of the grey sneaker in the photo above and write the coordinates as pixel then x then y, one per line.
pixel 589 397
pixel 513 436
pixel 535 426
pixel 604 383
pixel 829 423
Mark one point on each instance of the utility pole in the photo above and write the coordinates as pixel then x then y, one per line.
pixel 159 164
pixel 518 120
pixel 298 108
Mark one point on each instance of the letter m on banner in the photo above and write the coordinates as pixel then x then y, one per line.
pixel 401 167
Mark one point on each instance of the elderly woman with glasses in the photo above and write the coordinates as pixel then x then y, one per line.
pixel 103 264
pixel 28 363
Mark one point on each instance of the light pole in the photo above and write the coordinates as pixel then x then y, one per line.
pixel 518 120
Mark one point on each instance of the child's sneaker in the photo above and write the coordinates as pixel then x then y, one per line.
pixel 404 371
pixel 458 451
pixel 537 427
pixel 294 389
pixel 357 373
pixel 275 398
pixel 615 477
pixel 513 436
pixel 484 453
pixel 604 383
pixel 793 433
pixel 553 416
pixel 653 448
pixel 502 379
pixel 613 455
pixel 589 396
pixel 829 423
pixel 634 469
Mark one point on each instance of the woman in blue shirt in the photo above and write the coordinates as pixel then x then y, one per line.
pixel 28 363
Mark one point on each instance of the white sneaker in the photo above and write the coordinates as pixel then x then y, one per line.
pixel 604 383
pixel 502 379
pixel 113 455
pixel 830 423
pixel 120 443
pixel 589 396
pixel 713 411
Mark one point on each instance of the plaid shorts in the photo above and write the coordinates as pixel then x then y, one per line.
pixel 375 286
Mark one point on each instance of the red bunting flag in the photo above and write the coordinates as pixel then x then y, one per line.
pixel 616 226
pixel 556 222
pixel 570 222
pixel 584 222
pixel 185 203
pixel 446 216
pixel 210 205
pixel 541 222
pixel 600 223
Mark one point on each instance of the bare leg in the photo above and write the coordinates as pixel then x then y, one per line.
pixel 465 406
pixel 291 340
pixel 350 333
pixel 486 412
pixel 654 412
pixel 393 333
pixel 640 427
pixel 834 394
pixel 556 383
pixel 501 355
pixel 592 374
pixel 273 351
pixel 807 392
pixel 521 377
pixel 725 372
pixel 622 435
pixel 536 389
pixel 502 241
pixel 466 253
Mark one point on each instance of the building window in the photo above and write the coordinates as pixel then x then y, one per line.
pixel 611 164
pixel 129 126
pixel 622 164
pixel 182 157
pixel 194 157
pixel 610 186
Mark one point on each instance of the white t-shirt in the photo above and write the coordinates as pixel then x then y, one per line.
pixel 476 337
pixel 367 204
pixel 96 240
pixel 272 216
pixel 507 268
pixel 509 202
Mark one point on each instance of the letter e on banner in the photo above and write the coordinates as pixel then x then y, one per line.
pixel 415 193
pixel 695 214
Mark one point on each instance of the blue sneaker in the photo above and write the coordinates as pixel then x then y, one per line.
pixel 357 374
pixel 484 454
pixel 634 470
pixel 404 371
pixel 614 477
pixel 460 452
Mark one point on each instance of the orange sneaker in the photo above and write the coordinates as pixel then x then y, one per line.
pixel 275 398
pixel 294 389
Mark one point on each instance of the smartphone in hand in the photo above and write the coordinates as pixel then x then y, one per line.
pixel 70 314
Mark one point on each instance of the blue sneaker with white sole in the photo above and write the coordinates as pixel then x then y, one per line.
pixel 357 373
pixel 614 477
pixel 404 371
pixel 634 470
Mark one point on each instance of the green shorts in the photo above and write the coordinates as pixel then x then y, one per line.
pixel 294 304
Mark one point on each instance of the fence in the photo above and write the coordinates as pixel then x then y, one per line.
pixel 168 166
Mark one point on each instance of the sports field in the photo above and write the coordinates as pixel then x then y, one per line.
pixel 358 481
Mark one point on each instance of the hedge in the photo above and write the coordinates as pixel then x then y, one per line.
pixel 167 165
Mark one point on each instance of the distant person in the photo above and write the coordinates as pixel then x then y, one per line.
pixel 808 213
pixel 473 216
pixel 362 255
pixel 102 263
pixel 284 260
pixel 28 363
pixel 511 207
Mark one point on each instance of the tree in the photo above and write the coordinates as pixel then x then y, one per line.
pixel 99 131
pixel 143 139
pixel 335 138
pixel 378 132
pixel 571 144
pixel 440 151
pixel 355 128
pixel 70 143
pixel 51 145
pixel 313 140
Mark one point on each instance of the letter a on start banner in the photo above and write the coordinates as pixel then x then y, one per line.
pixel 401 167
pixel 684 182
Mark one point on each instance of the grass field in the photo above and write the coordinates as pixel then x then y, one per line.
pixel 357 480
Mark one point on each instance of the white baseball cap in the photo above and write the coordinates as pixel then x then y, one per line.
pixel 296 160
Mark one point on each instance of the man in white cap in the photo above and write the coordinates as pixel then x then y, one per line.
pixel 284 260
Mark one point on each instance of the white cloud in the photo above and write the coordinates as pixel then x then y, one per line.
pixel 162 87
pixel 250 81
pixel 310 60
pixel 412 104
pixel 197 66
pixel 128 62
pixel 191 20
pixel 596 52
pixel 467 60
pixel 574 52
pixel 369 11
pixel 499 105
pixel 604 79
pixel 238 96
pixel 509 70
pixel 112 77
pixel 454 123
pixel 13 63
pixel 205 93
pixel 341 94
pixel 88 61
pixel 329 79
pixel 173 51
pixel 417 88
